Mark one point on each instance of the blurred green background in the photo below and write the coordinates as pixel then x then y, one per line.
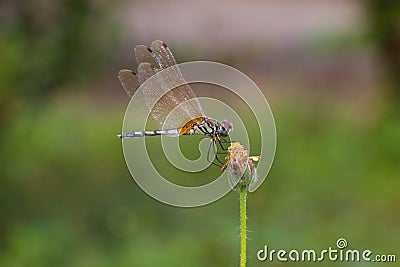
pixel 329 69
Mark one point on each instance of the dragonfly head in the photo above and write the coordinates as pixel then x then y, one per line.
pixel 225 128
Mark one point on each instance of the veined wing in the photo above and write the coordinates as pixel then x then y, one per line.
pixel 129 81
pixel 161 95
pixel 164 58
pixel 128 78
pixel 161 102
pixel 143 55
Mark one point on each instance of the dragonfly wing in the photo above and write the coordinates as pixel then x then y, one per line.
pixel 145 72
pixel 129 81
pixel 165 59
pixel 162 54
pixel 160 94
pixel 143 55
pixel 128 78
pixel 182 97
pixel 157 99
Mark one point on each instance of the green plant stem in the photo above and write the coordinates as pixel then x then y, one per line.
pixel 243 227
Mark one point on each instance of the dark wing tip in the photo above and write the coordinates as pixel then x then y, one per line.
pixel 123 71
pixel 148 48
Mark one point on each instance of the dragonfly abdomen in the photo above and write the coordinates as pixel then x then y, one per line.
pixel 173 132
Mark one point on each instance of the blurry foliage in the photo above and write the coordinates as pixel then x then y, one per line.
pixel 48 44
pixel 384 23
pixel 45 45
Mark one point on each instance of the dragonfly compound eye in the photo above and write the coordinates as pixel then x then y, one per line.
pixel 227 127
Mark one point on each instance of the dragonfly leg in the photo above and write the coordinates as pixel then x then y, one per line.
pixel 222 141
pixel 208 156
pixel 216 152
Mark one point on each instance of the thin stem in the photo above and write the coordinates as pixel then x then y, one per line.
pixel 243 228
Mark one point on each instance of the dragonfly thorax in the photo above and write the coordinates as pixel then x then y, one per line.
pixel 214 128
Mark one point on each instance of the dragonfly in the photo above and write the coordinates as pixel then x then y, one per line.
pixel 160 100
pixel 239 166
